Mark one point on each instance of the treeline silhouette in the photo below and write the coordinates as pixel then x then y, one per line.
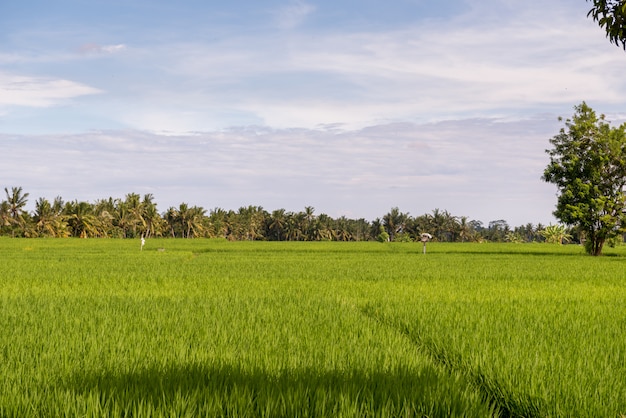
pixel 136 216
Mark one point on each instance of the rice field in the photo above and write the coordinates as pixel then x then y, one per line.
pixel 189 328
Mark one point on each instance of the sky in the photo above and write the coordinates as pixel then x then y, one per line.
pixel 350 107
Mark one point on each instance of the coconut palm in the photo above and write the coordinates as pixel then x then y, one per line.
pixel 194 224
pixel 395 222
pixel 81 220
pixel 324 228
pixel 123 217
pixel 218 223
pixel 443 225
pixel 342 228
pixel 294 226
pixel 16 200
pixel 465 230
pixel 251 220
pixel 49 218
pixel 106 211
pixel 5 216
pixel 309 217
pixel 135 209
pixel 172 219
pixel 188 220
pixel 277 224
pixel 152 220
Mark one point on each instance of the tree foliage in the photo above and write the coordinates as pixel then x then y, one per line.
pixel 134 217
pixel 556 234
pixel 588 166
pixel 611 16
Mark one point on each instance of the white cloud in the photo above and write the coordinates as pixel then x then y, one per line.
pixel 17 90
pixel 93 48
pixel 294 14
pixel 437 70
pixel 481 168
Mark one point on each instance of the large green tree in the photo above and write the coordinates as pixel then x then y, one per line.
pixel 611 16
pixel 588 166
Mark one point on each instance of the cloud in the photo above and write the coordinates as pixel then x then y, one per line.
pixel 93 48
pixel 294 14
pixel 468 66
pixel 16 90
pixel 482 168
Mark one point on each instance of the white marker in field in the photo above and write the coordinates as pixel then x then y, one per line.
pixel 424 238
pixel 143 242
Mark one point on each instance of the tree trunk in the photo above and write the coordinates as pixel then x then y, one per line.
pixel 594 246
pixel 598 247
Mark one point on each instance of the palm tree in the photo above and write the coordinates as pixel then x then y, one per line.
pixel 252 221
pixel 151 217
pixel 5 216
pixel 443 224
pixel 135 213
pixel 188 220
pixel 395 222
pixel 324 226
pixel 106 211
pixel 420 225
pixel 218 221
pixel 49 219
pixel 451 226
pixel 81 220
pixel 123 217
pixel 343 229
pixel 309 217
pixel 172 219
pixel 16 200
pixel 361 230
pixel 294 226
pixel 466 231
pixel 277 224
pixel 194 224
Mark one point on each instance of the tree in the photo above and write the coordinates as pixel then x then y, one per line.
pixel 218 223
pixel 172 219
pixel 309 217
pixel 152 219
pixel 5 216
pixel 192 220
pixel 443 225
pixel 48 218
pixel 106 210
pixel 395 222
pixel 588 166
pixel 497 231
pixel 81 220
pixel 135 209
pixel 277 224
pixel 16 200
pixel 251 220
pixel 611 16
pixel 556 234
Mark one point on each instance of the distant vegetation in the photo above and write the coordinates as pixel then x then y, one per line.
pixel 134 216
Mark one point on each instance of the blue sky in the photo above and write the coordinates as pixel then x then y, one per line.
pixel 352 107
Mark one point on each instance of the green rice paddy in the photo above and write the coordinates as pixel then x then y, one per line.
pixel 188 328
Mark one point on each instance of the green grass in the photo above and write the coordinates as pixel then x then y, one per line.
pixel 213 328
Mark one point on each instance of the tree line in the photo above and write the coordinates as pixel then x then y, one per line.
pixel 136 216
